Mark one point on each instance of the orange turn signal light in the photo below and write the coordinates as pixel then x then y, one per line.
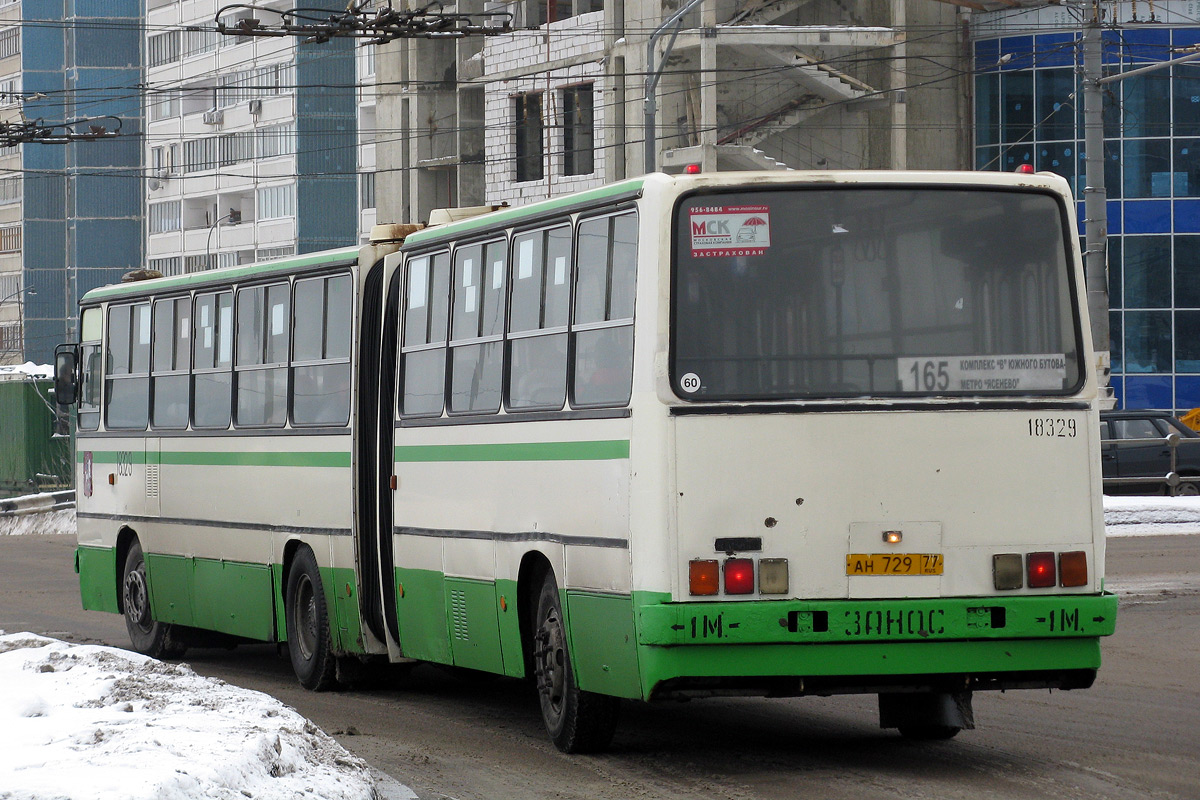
pixel 1072 568
pixel 704 577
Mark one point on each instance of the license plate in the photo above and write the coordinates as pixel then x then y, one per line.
pixel 867 564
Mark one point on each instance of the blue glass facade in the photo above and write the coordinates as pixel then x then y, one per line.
pixel 1027 112
pixel 82 204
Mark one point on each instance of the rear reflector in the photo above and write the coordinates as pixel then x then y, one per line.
pixel 704 577
pixel 1008 571
pixel 773 576
pixel 1040 567
pixel 1072 568
pixel 739 576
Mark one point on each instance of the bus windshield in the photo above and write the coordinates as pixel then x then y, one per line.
pixel 872 291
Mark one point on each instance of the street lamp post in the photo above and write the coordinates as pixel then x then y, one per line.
pixel 28 290
pixel 234 216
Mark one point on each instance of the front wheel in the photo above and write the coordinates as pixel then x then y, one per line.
pixel 149 636
pixel 309 644
pixel 577 721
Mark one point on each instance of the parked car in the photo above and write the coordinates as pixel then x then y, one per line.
pixel 1149 460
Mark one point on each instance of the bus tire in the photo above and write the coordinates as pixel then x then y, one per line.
pixel 309 644
pixel 149 636
pixel 577 721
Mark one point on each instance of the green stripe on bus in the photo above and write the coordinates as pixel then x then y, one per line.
pixel 605 450
pixel 220 459
pixel 231 273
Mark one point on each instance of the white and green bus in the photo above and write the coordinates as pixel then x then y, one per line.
pixel 775 434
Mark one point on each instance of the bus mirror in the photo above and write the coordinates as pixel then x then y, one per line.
pixel 66 370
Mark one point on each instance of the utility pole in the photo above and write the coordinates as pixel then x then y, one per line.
pixel 1095 198
pixel 1095 206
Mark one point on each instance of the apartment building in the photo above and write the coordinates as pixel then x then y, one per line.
pixel 560 105
pixel 78 201
pixel 12 279
pixel 252 148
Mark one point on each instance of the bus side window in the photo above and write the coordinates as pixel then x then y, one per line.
pixel 539 312
pixel 127 382
pixel 477 328
pixel 321 352
pixel 170 361
pixel 423 347
pixel 91 326
pixel 261 374
pixel 212 357
pixel 602 328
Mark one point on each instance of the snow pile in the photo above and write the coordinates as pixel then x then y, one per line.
pixel 43 523
pixel 1151 516
pixel 27 370
pixel 81 721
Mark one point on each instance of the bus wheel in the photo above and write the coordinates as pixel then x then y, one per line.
pixel 307 616
pixel 577 721
pixel 149 637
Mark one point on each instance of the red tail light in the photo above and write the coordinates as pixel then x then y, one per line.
pixel 739 576
pixel 1040 570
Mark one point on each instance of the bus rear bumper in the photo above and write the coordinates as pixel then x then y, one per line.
pixel 789 648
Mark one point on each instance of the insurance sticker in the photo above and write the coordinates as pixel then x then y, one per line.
pixel 981 373
pixel 730 230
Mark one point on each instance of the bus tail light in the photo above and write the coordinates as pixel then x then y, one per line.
pixel 1008 571
pixel 1040 567
pixel 739 575
pixel 773 576
pixel 1072 568
pixel 704 577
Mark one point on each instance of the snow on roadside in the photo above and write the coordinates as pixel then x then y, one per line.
pixel 1151 516
pixel 83 721
pixel 40 524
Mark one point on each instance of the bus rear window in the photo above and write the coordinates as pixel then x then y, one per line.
pixel 852 292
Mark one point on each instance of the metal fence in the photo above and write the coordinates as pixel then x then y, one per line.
pixel 1174 483
pixel 37 503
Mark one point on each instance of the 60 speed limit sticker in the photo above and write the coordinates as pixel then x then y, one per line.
pixel 690 383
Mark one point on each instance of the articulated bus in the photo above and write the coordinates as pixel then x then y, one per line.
pixel 775 434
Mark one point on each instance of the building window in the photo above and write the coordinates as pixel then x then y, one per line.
pixel 165 217
pixel 199 263
pixel 163 48
pixel 366 186
pixel 10 339
pixel 10 90
pixel 10 239
pixel 10 189
pixel 277 202
pixel 171 265
pixel 10 42
pixel 274 253
pixel 199 40
pixel 578 131
pixel 166 106
pixel 277 140
pixel 528 130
